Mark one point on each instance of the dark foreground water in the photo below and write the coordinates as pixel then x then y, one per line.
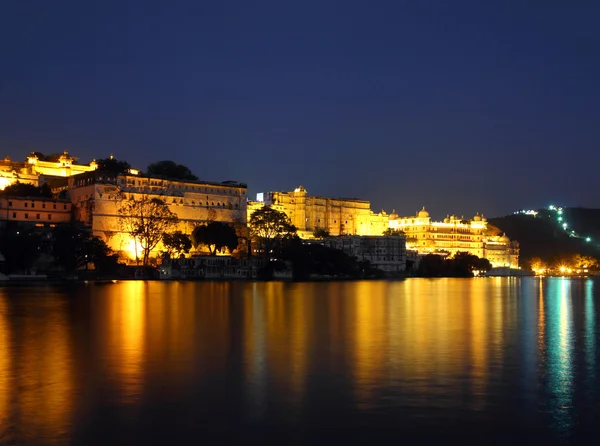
pixel 421 361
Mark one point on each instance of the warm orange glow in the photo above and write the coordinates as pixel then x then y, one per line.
pixel 125 336
pixel 133 249
pixel 36 372
pixel 6 384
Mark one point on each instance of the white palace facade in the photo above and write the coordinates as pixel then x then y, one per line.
pixel 456 234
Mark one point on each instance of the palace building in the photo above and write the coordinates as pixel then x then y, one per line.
pixel 456 234
pixel 37 172
pixel 96 197
pixel 338 216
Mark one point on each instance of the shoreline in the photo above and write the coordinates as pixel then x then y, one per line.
pixel 56 281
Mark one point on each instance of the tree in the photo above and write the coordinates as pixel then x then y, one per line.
pixel 146 220
pixel 389 232
pixel 176 243
pixel 74 247
pixel 113 165
pixel 171 169
pixel 431 265
pixel 536 264
pixel 216 236
pixel 52 157
pixel 27 190
pixel 270 226
pixel 321 233
pixel 20 245
pixel 411 241
pixel 584 262
pixel 463 264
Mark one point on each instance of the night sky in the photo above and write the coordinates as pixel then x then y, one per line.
pixel 461 106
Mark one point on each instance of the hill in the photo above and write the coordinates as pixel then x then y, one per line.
pixel 553 234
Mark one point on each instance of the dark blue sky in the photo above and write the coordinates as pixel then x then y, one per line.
pixel 462 106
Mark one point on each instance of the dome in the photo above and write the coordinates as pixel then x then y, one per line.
pixel 504 239
pixel 477 217
pixel 423 213
pixel 393 215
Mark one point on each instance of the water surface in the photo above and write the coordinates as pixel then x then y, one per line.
pixel 476 360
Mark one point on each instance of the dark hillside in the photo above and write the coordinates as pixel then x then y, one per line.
pixel 544 236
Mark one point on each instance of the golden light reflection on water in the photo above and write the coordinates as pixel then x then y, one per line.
pixel 36 372
pixel 5 361
pixel 123 335
pixel 443 344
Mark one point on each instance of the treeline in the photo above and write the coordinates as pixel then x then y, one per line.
pixel 462 264
pixel 61 250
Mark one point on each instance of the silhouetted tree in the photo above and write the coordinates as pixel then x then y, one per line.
pixel 146 220
pixel 113 165
pixel 27 190
pixel 176 243
pixel 216 236
pixel 321 233
pixel 170 169
pixel 74 247
pixel 270 227
pixel 20 245
pixel 52 157
pixel 431 265
pixel 389 232
pixel 462 264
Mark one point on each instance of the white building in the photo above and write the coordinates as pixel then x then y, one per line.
pixel 385 253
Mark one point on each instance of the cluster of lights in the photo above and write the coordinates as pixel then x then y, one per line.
pixel 527 212
pixel 559 218
pixel 565 225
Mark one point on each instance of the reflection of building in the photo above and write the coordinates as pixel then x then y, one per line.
pixel 35 171
pixel 337 215
pixel 454 235
pixel 385 253
pixel 96 197
pixel 40 211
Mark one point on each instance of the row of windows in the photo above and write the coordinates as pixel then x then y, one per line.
pixel 141 183
pixel 10 203
pixel 26 216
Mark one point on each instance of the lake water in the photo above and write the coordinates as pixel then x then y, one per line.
pixel 494 360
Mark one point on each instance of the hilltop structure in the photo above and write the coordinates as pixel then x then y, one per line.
pixel 37 172
pixel 93 197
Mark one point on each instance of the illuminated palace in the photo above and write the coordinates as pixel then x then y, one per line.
pixel 338 216
pixel 455 234
pixel 351 217
pixel 96 197
pixel 36 172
